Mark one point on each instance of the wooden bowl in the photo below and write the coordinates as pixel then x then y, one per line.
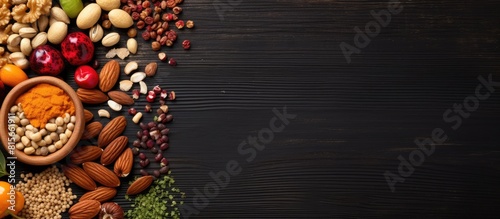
pixel 10 101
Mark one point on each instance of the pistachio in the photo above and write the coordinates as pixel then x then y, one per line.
pixel 59 15
pixel 96 33
pixel 26 46
pixel 43 23
pixel 27 32
pixel 111 39
pixel 131 66
pixel 132 45
pixel 14 48
pixel 17 26
pixel 39 39
pixel 14 40
pixel 57 32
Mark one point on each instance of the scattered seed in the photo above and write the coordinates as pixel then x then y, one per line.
pixel 104 113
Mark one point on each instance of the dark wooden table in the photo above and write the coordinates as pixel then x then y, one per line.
pixel 356 123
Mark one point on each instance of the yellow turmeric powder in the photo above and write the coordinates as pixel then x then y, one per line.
pixel 44 102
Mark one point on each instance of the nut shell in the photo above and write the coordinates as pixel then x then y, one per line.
pixel 111 210
pixel 57 32
pixel 110 39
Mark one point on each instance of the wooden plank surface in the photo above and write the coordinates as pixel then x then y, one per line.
pixel 352 120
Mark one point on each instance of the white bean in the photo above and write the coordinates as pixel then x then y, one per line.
pixel 29 150
pixel 47 139
pixel 63 138
pixel 68 133
pixel 73 119
pixel 51 127
pixel 14 109
pixel 26 141
pixel 59 121
pixel 36 137
pixel 67 118
pixel 70 126
pixel 58 144
pixel 52 148
pixel 19 146
pixel 25 122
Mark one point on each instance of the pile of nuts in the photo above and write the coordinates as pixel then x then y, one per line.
pixel 46 194
pixel 22 38
pixel 153 17
pixel 34 141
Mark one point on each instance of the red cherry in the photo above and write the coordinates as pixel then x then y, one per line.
pixel 86 77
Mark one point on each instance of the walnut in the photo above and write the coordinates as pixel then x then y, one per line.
pixel 5 34
pixel 4 15
pixel 36 9
pixel 5 3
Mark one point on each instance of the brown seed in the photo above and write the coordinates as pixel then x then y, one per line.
pixel 140 25
pixel 85 209
pixel 111 131
pixel 189 24
pixel 87 115
pixel 177 10
pixel 155 46
pixel 101 194
pixel 124 163
pixel 91 96
pixel 150 69
pixel 85 153
pixel 132 32
pixel 79 177
pixel 92 130
pixel 162 56
pixel 109 75
pixel 106 24
pixel 101 174
pixel 114 150
pixel 140 185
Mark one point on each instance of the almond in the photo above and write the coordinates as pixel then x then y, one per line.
pixel 101 194
pixel 124 163
pixel 85 154
pixel 140 185
pixel 92 130
pixel 79 177
pixel 87 115
pixel 109 75
pixel 91 96
pixel 114 150
pixel 111 131
pixel 121 97
pixel 101 174
pixel 85 209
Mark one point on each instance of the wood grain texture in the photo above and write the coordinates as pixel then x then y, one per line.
pixel 353 120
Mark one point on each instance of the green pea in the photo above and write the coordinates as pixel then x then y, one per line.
pixel 71 7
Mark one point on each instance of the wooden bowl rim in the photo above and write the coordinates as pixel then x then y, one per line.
pixel 75 136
